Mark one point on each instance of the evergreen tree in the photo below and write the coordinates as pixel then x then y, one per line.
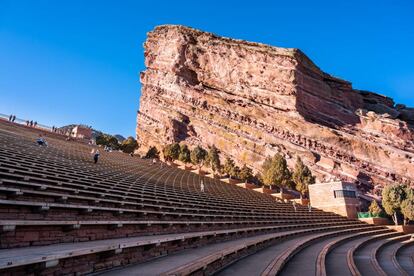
pixel 152 153
pixel 184 155
pixel 108 140
pixel 374 209
pixel 246 173
pixel 276 172
pixel 198 155
pixel 230 168
pixel 407 205
pixel 214 159
pixel 302 177
pixel 171 152
pixel 129 145
pixel 392 197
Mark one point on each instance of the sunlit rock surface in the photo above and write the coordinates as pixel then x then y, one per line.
pixel 252 100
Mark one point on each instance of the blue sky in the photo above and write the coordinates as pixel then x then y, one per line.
pixel 74 61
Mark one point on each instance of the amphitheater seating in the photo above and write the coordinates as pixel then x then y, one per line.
pixel 62 214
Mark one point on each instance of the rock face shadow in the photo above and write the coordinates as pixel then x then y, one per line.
pixel 326 112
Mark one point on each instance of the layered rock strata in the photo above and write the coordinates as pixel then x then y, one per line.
pixel 252 100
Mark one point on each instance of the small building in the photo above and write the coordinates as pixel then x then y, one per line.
pixel 338 197
pixel 81 132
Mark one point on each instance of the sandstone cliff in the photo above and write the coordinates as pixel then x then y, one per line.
pixel 252 100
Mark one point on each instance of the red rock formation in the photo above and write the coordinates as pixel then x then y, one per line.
pixel 252 100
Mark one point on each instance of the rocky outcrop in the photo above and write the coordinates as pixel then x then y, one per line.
pixel 252 100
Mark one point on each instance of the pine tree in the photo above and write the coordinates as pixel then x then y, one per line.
pixel 374 209
pixel 184 155
pixel 171 152
pixel 214 159
pixel 198 155
pixel 129 145
pixel 302 177
pixel 246 173
pixel 392 197
pixel 230 168
pixel 276 172
pixel 407 205
pixel 407 209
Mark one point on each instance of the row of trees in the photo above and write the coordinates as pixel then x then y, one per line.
pixel 128 145
pixel 210 158
pixel 397 200
pixel 275 171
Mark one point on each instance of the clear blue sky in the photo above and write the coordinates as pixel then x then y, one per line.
pixel 73 61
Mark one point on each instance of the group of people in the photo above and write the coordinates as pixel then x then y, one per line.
pixel 12 118
pixel 55 129
pixel 31 123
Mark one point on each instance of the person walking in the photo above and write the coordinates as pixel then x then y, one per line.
pixel 10 117
pixel 96 156
pixel 31 123
pixel 35 124
pixel 294 205
pixel 14 118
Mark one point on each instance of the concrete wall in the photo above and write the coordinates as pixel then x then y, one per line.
pixel 322 197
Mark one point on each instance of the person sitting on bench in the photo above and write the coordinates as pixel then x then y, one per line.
pixel 41 141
